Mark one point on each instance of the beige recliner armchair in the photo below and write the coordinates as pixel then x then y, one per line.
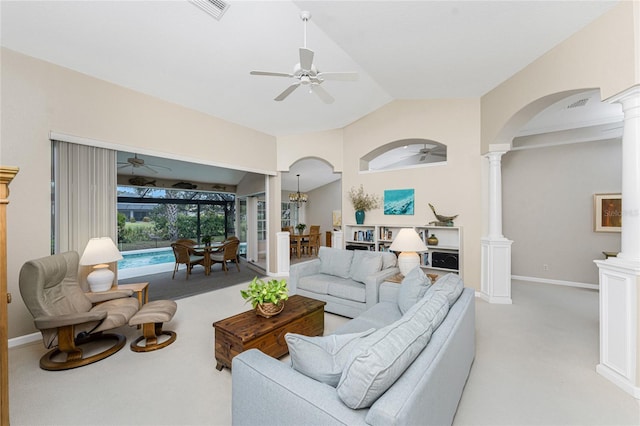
pixel 66 315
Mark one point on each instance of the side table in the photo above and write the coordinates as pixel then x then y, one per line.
pixel 141 290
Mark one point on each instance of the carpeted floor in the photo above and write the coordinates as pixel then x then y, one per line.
pixel 535 365
pixel 162 286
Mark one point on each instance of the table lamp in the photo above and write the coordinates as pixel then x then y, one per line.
pixel 408 243
pixel 99 252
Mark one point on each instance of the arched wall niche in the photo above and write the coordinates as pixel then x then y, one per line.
pixel 521 117
pixel 404 153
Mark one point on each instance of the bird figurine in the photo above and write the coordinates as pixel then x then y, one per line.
pixel 442 220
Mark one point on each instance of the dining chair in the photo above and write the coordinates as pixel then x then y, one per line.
pixel 185 256
pixel 313 242
pixel 227 253
pixel 293 244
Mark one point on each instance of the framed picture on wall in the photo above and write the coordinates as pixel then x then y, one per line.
pixel 607 212
pixel 398 201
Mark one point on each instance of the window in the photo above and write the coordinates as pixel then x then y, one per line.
pixel 286 215
pixel 405 153
pixel 155 217
pixel 262 221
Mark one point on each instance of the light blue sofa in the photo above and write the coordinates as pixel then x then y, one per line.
pixel 347 280
pixel 268 391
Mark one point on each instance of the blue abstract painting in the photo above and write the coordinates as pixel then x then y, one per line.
pixel 398 201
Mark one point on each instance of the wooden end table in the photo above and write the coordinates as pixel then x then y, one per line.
pixel 247 330
pixel 141 290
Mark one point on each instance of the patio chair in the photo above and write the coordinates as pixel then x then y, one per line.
pixel 68 317
pixel 185 256
pixel 227 253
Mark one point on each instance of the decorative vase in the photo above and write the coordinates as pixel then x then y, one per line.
pixel 269 309
pixel 432 240
pixel 359 217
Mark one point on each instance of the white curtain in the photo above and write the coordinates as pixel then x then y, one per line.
pixel 85 183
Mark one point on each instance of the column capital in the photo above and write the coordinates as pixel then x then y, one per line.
pixel 628 98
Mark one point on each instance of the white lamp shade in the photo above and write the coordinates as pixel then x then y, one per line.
pixel 100 250
pixel 408 242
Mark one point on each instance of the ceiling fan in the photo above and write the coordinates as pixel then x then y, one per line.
pixel 136 163
pixel 424 154
pixel 434 151
pixel 306 73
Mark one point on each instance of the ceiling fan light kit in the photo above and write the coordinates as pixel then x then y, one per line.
pixel 306 72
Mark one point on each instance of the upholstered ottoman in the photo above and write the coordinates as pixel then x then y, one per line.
pixel 151 316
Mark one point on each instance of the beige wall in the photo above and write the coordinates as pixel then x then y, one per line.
pixel 323 145
pixel 453 188
pixel 605 55
pixel 38 97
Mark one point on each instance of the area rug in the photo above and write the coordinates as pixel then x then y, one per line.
pixel 162 286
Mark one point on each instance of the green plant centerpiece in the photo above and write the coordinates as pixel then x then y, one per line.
pixel 301 227
pixel 267 298
pixel 362 202
pixel 206 240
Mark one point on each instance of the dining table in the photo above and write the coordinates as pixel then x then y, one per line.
pixel 298 238
pixel 206 250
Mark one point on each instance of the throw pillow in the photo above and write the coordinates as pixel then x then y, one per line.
pixel 364 264
pixel 412 289
pixel 322 358
pixel 389 260
pixel 450 285
pixel 382 357
pixel 335 261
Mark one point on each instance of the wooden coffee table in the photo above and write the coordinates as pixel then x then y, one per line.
pixel 247 330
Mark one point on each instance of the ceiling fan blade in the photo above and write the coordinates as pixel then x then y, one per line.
pixel 271 74
pixel 340 76
pixel 322 94
pixel 287 91
pixel 156 166
pixel 306 59
pixel 149 168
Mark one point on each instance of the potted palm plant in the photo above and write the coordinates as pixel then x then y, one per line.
pixel 267 298
pixel 362 202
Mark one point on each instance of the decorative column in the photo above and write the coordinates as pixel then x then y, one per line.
pixel 620 276
pixel 283 253
pixel 338 239
pixel 495 285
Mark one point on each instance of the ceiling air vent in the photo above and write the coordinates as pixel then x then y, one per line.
pixel 578 103
pixel 215 8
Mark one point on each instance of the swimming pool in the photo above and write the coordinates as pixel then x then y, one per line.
pixel 138 258
pixel 150 261
pixel 145 262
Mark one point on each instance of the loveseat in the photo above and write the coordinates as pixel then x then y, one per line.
pixel 399 363
pixel 347 280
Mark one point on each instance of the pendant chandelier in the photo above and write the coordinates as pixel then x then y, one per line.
pixel 298 197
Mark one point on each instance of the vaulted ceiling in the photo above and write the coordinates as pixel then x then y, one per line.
pixel 401 50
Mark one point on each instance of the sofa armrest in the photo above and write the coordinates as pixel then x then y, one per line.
pixel 388 292
pixel 300 270
pixel 268 391
pixel 372 283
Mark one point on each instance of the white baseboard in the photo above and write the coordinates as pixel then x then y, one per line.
pixel 556 282
pixel 23 340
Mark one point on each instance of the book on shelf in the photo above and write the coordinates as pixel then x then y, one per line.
pixel 366 235
pixel 386 233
